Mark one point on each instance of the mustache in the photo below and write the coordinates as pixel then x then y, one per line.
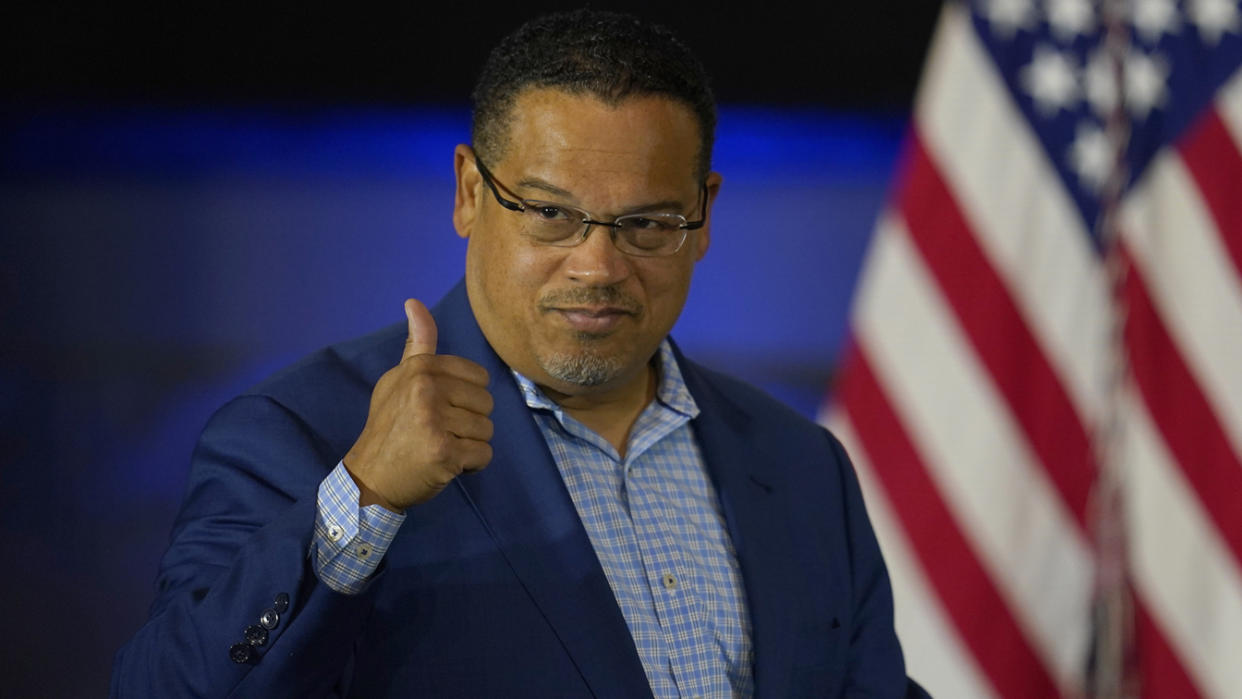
pixel 610 296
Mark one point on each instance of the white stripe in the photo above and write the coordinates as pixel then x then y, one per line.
pixel 1024 536
pixel 1229 106
pixel 1192 282
pixel 1014 202
pixel 935 655
pixel 1181 567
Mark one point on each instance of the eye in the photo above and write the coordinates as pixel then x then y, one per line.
pixel 648 233
pixel 547 222
pixel 653 224
pixel 642 223
pixel 548 212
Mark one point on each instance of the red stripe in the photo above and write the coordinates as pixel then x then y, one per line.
pixel 1212 157
pixel 1004 343
pixel 981 616
pixel 1162 675
pixel 1181 412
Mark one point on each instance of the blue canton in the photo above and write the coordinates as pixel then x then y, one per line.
pixel 657 527
pixel 1071 68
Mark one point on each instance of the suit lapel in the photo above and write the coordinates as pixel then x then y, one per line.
pixel 524 505
pixel 753 513
pixel 526 509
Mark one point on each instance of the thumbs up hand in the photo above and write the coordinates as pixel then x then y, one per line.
pixel 428 422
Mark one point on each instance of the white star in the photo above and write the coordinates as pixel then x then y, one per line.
pixel 1100 83
pixel 1145 78
pixel 1092 156
pixel 1152 18
pixel 1070 18
pixel 1050 80
pixel 1214 18
pixel 1008 16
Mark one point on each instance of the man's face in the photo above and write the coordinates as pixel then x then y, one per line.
pixel 587 318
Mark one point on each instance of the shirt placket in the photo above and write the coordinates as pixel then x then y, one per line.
pixel 678 645
pixel 589 465
pixel 674 588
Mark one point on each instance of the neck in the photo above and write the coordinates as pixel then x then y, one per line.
pixel 612 414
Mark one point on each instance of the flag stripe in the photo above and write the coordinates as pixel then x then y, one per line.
pixel 997 330
pixel 977 610
pixel 1229 110
pixel 1182 415
pixel 1213 159
pixel 1017 524
pixel 935 654
pixel 1193 288
pixel 1181 568
pixel 1163 675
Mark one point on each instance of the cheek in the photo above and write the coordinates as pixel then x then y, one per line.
pixel 511 274
pixel 666 288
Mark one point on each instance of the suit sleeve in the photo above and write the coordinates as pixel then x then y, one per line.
pixel 877 666
pixel 237 572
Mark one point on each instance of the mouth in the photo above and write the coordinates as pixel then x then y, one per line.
pixel 595 320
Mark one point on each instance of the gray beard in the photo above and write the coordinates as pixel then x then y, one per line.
pixel 585 368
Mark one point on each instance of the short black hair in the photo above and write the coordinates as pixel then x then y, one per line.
pixel 607 55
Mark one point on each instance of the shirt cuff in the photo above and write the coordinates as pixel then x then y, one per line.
pixel 349 541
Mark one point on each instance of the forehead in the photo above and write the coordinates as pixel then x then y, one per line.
pixel 645 136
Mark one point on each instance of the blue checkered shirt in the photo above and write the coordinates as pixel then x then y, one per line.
pixel 657 527
pixel 654 520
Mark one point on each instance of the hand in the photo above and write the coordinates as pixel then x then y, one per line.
pixel 427 424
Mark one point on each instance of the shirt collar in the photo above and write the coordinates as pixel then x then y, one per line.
pixel 671 390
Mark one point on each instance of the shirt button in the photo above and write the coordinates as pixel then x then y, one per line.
pixel 364 551
pixel 335 532
pixel 670 582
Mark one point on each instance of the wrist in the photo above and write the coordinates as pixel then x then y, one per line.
pixel 368 495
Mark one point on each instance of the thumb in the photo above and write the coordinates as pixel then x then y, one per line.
pixel 422 337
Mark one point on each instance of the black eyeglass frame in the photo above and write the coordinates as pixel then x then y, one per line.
pixel 521 205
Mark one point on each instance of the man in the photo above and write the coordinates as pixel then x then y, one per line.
pixel 528 491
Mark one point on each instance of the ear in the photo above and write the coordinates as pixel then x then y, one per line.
pixel 466 197
pixel 704 237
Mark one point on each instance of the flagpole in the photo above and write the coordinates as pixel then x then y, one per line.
pixel 1112 671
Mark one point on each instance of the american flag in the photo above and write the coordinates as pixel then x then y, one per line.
pixel 1043 390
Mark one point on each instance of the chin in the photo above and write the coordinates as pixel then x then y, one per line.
pixel 584 369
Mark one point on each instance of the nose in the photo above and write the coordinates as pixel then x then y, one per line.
pixel 597 261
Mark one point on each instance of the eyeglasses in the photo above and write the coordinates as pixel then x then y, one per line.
pixel 549 223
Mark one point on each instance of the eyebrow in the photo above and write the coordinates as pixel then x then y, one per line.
pixel 536 183
pixel 543 186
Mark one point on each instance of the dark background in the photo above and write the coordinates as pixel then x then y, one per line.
pixel 193 195
pixel 860 55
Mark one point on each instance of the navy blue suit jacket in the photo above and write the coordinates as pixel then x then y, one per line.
pixel 492 588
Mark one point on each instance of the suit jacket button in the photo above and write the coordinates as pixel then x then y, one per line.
pixel 240 652
pixel 269 619
pixel 255 635
pixel 281 603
